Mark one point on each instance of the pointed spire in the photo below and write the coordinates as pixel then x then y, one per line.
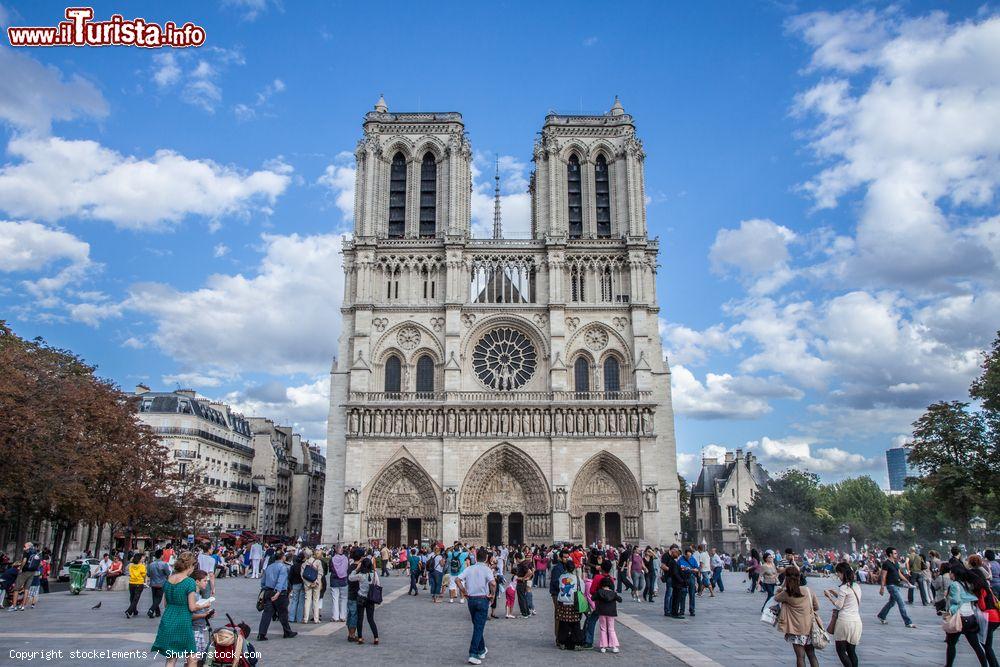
pixel 380 106
pixel 497 227
pixel 617 109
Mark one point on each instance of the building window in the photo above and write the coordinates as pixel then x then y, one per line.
pixel 393 375
pixel 397 197
pixel 602 195
pixel 428 195
pixel 732 514
pixel 574 193
pixel 581 375
pixel 425 374
pixel 612 375
pixel 606 281
pixel 577 279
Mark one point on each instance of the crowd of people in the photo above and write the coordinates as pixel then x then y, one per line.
pixel 586 585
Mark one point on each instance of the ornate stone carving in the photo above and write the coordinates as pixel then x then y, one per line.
pixel 450 499
pixel 504 359
pixel 541 319
pixel 507 481
pixel 351 501
pixel 621 322
pixel 650 497
pixel 403 490
pixel 559 498
pixel 604 484
pixel 380 323
pixel 408 338
pixel 572 323
pixel 596 338
pixel 437 323
pixel 468 319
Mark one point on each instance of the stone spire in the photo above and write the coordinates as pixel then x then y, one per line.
pixel 497 227
pixel 617 109
pixel 380 106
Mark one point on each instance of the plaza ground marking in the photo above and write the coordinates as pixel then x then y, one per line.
pixel 141 637
pixel 328 628
pixel 682 652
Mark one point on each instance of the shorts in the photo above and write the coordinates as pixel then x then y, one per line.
pixel 453 582
pixel 34 590
pixel 23 580
pixel 201 640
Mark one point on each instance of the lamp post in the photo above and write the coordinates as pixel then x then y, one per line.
pixel 795 537
pixel 845 530
pixel 977 524
pixel 898 526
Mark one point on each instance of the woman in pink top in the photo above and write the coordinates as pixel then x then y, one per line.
pixel 541 568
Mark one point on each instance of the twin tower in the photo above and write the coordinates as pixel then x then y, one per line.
pixel 500 390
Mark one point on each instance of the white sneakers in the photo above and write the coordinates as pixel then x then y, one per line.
pixel 474 661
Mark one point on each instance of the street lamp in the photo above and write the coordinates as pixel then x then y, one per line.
pixel 845 530
pixel 978 526
pixel 795 537
pixel 898 526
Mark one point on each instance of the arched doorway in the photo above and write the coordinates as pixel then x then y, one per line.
pixel 506 484
pixel 402 505
pixel 604 503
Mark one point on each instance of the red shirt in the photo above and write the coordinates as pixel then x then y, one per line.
pixel 577 557
pixel 992 615
pixel 595 583
pixel 167 553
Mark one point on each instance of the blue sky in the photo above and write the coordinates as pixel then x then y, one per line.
pixel 822 178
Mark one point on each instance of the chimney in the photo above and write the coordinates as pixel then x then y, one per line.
pixel 739 454
pixel 190 393
pixel 141 389
pixel 729 457
pixel 709 460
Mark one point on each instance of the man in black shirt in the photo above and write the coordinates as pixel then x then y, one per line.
pixel 892 579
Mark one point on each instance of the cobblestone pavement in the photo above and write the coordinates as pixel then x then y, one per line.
pixel 726 631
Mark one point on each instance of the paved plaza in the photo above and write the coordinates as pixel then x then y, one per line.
pixel 726 631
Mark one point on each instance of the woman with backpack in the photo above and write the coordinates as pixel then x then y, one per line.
pixel 366 577
pixel 960 616
pixel 312 584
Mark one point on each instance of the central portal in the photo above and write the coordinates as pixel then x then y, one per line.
pixel 494 529
pixel 515 528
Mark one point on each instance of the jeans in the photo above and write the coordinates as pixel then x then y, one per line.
pixel 539 581
pixel 157 592
pixel 754 578
pixel 918 585
pixel 436 578
pixel 134 593
pixel 896 598
pixel 668 598
pixel 478 609
pixel 352 614
pixel 588 628
pixel 769 588
pixel 414 576
pixel 270 608
pixel 101 579
pixel 366 608
pixel 717 578
pixel 522 598
pixel 296 602
pixel 638 582
pixel 647 592
pixel 692 590
pixel 952 641
pixel 677 604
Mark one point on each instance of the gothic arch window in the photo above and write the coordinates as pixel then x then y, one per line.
pixel 393 375
pixel 397 197
pixel 425 374
pixel 581 374
pixel 574 192
pixel 428 196
pixel 602 196
pixel 612 375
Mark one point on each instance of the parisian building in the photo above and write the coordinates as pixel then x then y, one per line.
pixel 723 490
pixel 494 389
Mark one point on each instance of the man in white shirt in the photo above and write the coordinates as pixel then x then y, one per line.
pixel 256 556
pixel 102 571
pixel 478 584
pixel 206 562
pixel 717 564
pixel 704 571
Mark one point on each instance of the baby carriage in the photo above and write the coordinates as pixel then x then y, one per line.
pixel 228 647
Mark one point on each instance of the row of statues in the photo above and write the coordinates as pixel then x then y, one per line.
pixel 515 422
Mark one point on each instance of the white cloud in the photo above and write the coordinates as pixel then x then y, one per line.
pixel 220 250
pixel 687 346
pixel 32 95
pixel 58 178
pixel 758 250
pixel 283 318
pixel 167 71
pixel 339 178
pixel 193 380
pixel 29 246
pixel 251 9
pixel 724 396
pixel 802 453
pixel 909 112
pixel 134 343
pixel 590 41
pixel 194 75
pixel 92 313
pixel 304 406
pixel 515 202
pixel 250 111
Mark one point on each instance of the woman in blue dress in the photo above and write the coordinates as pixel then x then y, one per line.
pixel 175 636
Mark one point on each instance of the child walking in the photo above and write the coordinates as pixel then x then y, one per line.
pixel 511 597
pixel 607 609
pixel 199 619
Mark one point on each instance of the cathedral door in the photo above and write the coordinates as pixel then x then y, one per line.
pixel 393 532
pixel 413 531
pixel 494 529
pixel 613 528
pixel 593 528
pixel 515 528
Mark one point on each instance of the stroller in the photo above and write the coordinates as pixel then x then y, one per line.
pixel 228 647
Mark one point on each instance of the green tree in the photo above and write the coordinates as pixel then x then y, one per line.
pixel 860 502
pixel 787 501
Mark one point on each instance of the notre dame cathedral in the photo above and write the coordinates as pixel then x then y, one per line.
pixel 500 390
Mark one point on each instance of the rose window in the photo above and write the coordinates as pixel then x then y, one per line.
pixel 504 359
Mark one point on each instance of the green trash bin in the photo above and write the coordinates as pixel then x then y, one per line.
pixel 78 577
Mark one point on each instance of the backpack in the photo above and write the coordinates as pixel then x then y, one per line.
pixel 455 565
pixel 32 562
pixel 309 573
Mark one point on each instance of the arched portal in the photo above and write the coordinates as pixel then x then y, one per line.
pixel 505 482
pixel 402 505
pixel 604 502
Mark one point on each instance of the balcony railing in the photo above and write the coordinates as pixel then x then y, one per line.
pixel 204 435
pixel 185 453
pixel 510 397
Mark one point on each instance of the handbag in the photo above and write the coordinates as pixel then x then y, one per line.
pixel 769 616
pixel 832 625
pixel 261 598
pixel 375 591
pixel 91 584
pixel 951 624
pixel 820 640
pixel 582 605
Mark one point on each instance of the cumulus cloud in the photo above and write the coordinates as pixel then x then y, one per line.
pixel 757 250
pixel 339 178
pixel 515 202
pixel 282 318
pixel 195 75
pixel 724 396
pixel 249 111
pixel 803 453
pixel 303 406
pixel 32 95
pixel 686 346
pixel 29 246
pixel 55 178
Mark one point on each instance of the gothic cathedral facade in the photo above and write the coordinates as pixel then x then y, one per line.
pixel 500 390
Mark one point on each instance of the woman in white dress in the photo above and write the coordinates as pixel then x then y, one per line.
pixel 847 600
